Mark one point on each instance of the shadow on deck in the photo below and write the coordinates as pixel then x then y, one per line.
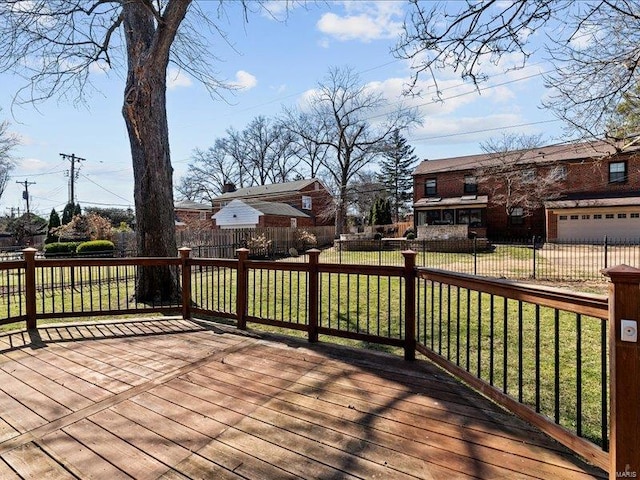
pixel 175 399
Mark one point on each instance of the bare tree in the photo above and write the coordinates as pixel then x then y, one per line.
pixel 208 172
pixel 593 46
pixel 312 154
pixel 8 142
pixel 511 180
pixel 56 43
pixel 342 106
pixel 266 153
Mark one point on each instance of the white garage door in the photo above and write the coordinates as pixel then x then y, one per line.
pixel 594 227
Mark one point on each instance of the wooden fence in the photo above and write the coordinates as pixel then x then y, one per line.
pixel 553 357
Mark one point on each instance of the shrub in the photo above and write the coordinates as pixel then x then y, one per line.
pixel 60 248
pixel 410 236
pixel 377 236
pixel 304 239
pixel 95 246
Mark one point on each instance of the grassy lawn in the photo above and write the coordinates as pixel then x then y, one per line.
pixel 496 341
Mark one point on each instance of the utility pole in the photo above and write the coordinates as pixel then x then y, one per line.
pixel 72 173
pixel 25 194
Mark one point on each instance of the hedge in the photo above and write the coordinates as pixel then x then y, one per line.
pixel 61 247
pixel 95 246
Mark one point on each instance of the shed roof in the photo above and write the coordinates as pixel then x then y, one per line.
pixel 266 208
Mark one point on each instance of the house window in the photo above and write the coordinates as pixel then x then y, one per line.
pixel 559 173
pixel 622 215
pixel 430 187
pixel 617 172
pixel 585 217
pixel 609 215
pixel 635 215
pixel 597 216
pixel 529 175
pixel 306 203
pixel 574 217
pixel 470 216
pixel 563 217
pixel 470 184
pixel 294 223
pixel 516 217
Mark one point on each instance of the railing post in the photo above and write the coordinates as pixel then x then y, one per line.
pixel 624 368
pixel 410 304
pixel 606 252
pixel 313 289
pixel 185 252
pixel 242 288
pixel 30 286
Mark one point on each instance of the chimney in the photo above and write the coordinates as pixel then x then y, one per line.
pixel 228 187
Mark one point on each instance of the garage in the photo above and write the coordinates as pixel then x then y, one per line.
pixel 590 220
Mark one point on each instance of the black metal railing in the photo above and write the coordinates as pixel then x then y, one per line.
pixel 522 343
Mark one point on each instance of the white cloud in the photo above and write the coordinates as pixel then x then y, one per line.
pixel 244 80
pixel 99 67
pixel 31 165
pixel 364 21
pixel 279 88
pixel 177 78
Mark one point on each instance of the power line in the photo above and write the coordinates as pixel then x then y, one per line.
pixel 106 190
pixel 484 130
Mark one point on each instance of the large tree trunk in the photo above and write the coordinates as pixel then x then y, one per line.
pixel 145 115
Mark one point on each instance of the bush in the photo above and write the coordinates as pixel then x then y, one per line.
pixel 60 248
pixel 377 236
pixel 410 236
pixel 93 246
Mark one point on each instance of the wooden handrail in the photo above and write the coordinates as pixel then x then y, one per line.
pixel 596 306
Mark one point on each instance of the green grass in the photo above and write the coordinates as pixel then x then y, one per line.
pixel 482 329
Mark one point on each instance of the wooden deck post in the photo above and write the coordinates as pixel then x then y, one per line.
pixel 312 286
pixel 409 304
pixel 30 286
pixel 185 252
pixel 242 286
pixel 624 377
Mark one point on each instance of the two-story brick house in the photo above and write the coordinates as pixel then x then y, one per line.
pixel 571 192
pixel 301 203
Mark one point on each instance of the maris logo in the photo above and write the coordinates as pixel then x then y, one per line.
pixel 627 473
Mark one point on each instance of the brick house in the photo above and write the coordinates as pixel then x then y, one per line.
pixel 585 191
pixel 292 204
pixel 193 215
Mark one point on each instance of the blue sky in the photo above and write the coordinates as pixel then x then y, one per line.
pixel 273 63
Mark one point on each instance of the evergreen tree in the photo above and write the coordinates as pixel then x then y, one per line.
pixel 77 210
pixel 54 222
pixel 396 169
pixel 380 212
pixel 67 213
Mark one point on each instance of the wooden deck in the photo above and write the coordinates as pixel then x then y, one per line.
pixel 179 399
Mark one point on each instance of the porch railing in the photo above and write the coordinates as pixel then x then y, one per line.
pixel 553 357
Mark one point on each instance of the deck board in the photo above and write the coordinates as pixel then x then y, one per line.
pixel 178 399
